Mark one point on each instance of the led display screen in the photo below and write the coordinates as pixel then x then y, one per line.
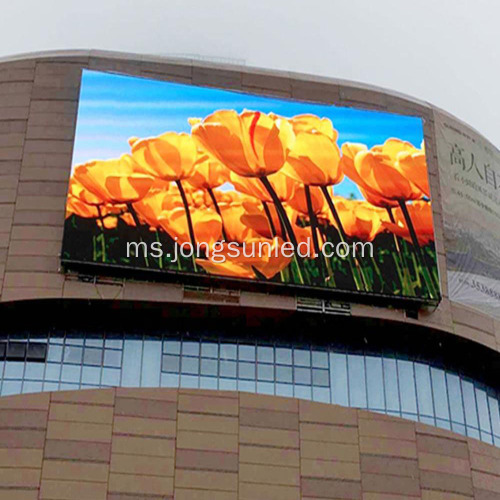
pixel 179 180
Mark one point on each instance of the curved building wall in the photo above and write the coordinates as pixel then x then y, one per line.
pixel 188 441
pixel 38 103
pixel 129 444
pixel 388 381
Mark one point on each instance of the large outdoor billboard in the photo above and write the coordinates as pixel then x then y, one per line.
pixel 176 179
pixel 470 185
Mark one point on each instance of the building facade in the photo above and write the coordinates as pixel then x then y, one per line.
pixel 215 392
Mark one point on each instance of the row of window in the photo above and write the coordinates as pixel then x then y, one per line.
pixel 385 382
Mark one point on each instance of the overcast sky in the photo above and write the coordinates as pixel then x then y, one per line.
pixel 446 52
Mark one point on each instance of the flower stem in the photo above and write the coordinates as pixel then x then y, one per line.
pixel 273 231
pixel 217 209
pixel 314 226
pixel 285 221
pixel 103 239
pixel 189 221
pixel 418 252
pixel 406 281
pixel 343 237
pixel 138 225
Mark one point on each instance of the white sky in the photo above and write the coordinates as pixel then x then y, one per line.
pixel 446 52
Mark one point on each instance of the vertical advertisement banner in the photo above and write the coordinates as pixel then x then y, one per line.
pixel 470 186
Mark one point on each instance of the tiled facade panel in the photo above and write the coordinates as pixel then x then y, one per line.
pixel 38 103
pixel 131 444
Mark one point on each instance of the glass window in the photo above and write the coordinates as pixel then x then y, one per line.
pixel 483 410
pixel 151 362
pixel 73 354
pixel 208 367
pixel 455 398
pixel 265 372
pixel 132 361
pixel 302 375
pixel 71 373
pixel 357 380
pixel 227 369
pixel 246 370
pixel 91 375
pixel 209 350
pixel 301 357
pixel 375 383
pixel 111 377
pixel 265 354
pixel 440 394
pixel 495 415
pixel 391 386
pixel 171 363
pixel 34 371
pixel 113 359
pixel 172 346
pixel 407 392
pixel 190 348
pixel 92 356
pixel 320 377
pixel 246 352
pixel 283 356
pixel 284 374
pixel 424 390
pixel 189 365
pixel 228 351
pixel 338 378
pixel 14 369
pixel 55 353
pixel 319 359
pixel 470 405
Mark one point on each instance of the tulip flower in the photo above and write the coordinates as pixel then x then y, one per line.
pixel 236 228
pixel 208 173
pixel 207 225
pixel 299 201
pixel 414 167
pixel 313 123
pixel 283 186
pixel 360 220
pixel 75 206
pixel 170 156
pixel 251 143
pixel 227 269
pixel 421 216
pixel 314 160
pixel 113 181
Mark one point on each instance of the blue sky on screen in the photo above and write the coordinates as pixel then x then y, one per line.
pixel 113 108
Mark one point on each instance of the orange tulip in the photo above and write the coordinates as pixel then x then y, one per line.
pixel 234 225
pixel 299 201
pixel 170 156
pixel 360 220
pixel 208 173
pixel 251 144
pixel 207 225
pixel 255 218
pixel 314 160
pixel 153 204
pixel 265 255
pixel 227 268
pixel 283 185
pixel 77 190
pixel 77 207
pixel 421 216
pixel 113 181
pixel 414 167
pixel 313 123
pixel 378 174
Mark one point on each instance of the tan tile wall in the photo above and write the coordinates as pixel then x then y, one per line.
pixel 131 444
pixel 38 103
